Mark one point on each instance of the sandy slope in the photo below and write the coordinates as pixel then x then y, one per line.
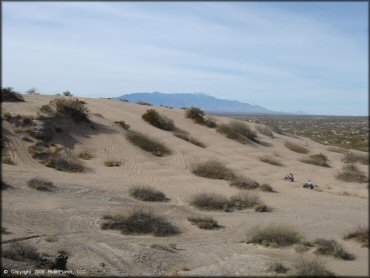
pixel 74 211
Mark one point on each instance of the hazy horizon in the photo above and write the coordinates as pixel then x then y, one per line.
pixel 311 57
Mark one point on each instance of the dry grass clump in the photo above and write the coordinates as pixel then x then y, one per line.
pixel 198 116
pixel 184 136
pixel 9 95
pixel 51 238
pixel 40 184
pixel 85 155
pixel 336 150
pixel 206 223
pixel 72 108
pixel 360 234
pixel 350 157
pixel 209 201
pixel 351 173
pixel 262 208
pixel 244 200
pixel 64 164
pixel 7 116
pixel 27 139
pixel 6 159
pixel 144 103
pixel 296 147
pixel 213 169
pixel 277 267
pixel 19 251
pixel 244 183
pixel 148 144
pixel 39 150
pixel 265 130
pixel 160 121
pixel 238 131
pixel 46 109
pixel 312 268
pixel 271 160
pixel 112 163
pixel 147 193
pixel 330 247
pixel 266 187
pixel 139 222
pixel 274 235
pixel 319 159
pixel 123 124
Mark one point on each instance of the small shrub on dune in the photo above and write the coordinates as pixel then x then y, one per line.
pixel 6 159
pixel 317 159
pixel 67 94
pixel 265 130
pixel 350 157
pixel 244 183
pixel 210 122
pixel 351 173
pixel 148 144
pixel 46 109
pixel 64 164
pixel 209 201
pixel 206 223
pixel 144 103
pixel 9 95
pixel 271 160
pixel 139 222
pixel 19 251
pixel 112 163
pixel 244 200
pixel 154 118
pixel 184 136
pixel 123 125
pixel 277 267
pixel 311 267
pixel 360 234
pixel 40 184
pixel 7 116
pixel 262 208
pixel 146 193
pixel 196 114
pixel 331 248
pixel 266 187
pixel 72 108
pixel 238 131
pixel 39 150
pixel 213 169
pixel 85 155
pixel 296 147
pixel 274 235
pixel 336 150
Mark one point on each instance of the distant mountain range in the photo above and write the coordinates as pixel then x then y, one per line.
pixel 203 101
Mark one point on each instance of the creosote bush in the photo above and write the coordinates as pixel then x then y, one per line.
pixel 112 163
pixel 206 223
pixel 40 184
pixel 266 187
pixel 148 144
pixel 144 103
pixel 123 125
pixel 274 235
pixel 311 267
pixel 20 251
pixel 244 200
pixel 351 173
pixel 265 130
pixel 238 131
pixel 184 136
pixel 330 247
pixel 244 183
pixel 64 164
pixel 147 193
pixel 213 169
pixel 209 201
pixel 317 159
pixel 139 222
pixel 85 155
pixel 277 267
pixel 296 147
pixel 360 234
pixel 198 116
pixel 262 208
pixel 160 121
pixel 8 94
pixel 72 108
pixel 271 160
pixel 351 157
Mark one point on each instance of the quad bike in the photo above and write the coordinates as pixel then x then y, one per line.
pixel 306 185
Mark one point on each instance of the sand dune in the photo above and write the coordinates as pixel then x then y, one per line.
pixel 73 212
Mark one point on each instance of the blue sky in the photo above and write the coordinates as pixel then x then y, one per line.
pixel 285 56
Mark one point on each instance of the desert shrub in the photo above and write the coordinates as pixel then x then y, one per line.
pixel 209 201
pixel 196 114
pixel 300 248
pixel 271 160
pixel 72 108
pixel 8 94
pixel 7 116
pixel 296 147
pixel 206 223
pixel 154 118
pixel 17 130
pixel 139 222
pixel 277 267
pixel 184 136
pixel 123 124
pixel 311 267
pixel 266 187
pixel 350 173
pixel 237 131
pixel 244 200
pixel 360 234
pixel 6 159
pixel 40 184
pixel 212 169
pixel 265 130
pixel 210 122
pixel 32 91
pixel 336 150
pixel 148 144
pixel 64 164
pixel 27 139
pixel 262 208
pixel 350 157
pixel 146 193
pixel 244 183
pixel 317 159
pixel 112 163
pixel 124 100
pixel 85 155
pixel 144 103
pixel 46 109
pixel 51 238
pixel 21 252
pixel 39 150
pixel 67 94
pixel 274 235
pixel 330 247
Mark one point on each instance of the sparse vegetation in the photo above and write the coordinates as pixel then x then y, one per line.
pixel 296 147
pixel 67 94
pixel 51 238
pixel 360 234
pixel 198 116
pixel 64 164
pixel 266 187
pixel 9 95
pixel 351 157
pixel 274 235
pixel 123 124
pixel 146 193
pixel 311 267
pixel 154 118
pixel 213 169
pixel 244 200
pixel 46 108
pixel 277 267
pixel 27 139
pixel 72 108
pixel 112 163
pixel 32 91
pixel 262 208
pixel 148 144
pixel 244 183
pixel 238 131
pixel 336 150
pixel 139 222
pixel 317 159
pixel 7 116
pixel 265 130
pixel 351 173
pixel 144 103
pixel 331 248
pixel 184 136
pixel 209 201
pixel 21 252
pixel 271 160
pixel 40 184
pixel 206 223
pixel 85 155
pixel 7 160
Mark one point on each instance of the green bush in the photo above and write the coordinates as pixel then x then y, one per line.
pixel 243 200
pixel 40 184
pixel 351 173
pixel 46 109
pixel 72 108
pixel 139 222
pixel 148 144
pixel 317 159
pixel 206 223
pixel 9 95
pixel 244 183
pixel 85 155
pixel 311 267
pixel 209 201
pixel 63 164
pixel 144 103
pixel 146 193
pixel 21 252
pixel 265 130
pixel 296 147
pixel 112 163
pixel 350 157
pixel 196 114
pixel 184 136
pixel 262 208
pixel 238 131
pixel 212 169
pixel 331 248
pixel 360 234
pixel 123 124
pixel 154 118
pixel 271 160
pixel 266 187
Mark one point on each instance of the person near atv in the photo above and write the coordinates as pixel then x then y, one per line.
pixel 308 185
pixel 289 177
